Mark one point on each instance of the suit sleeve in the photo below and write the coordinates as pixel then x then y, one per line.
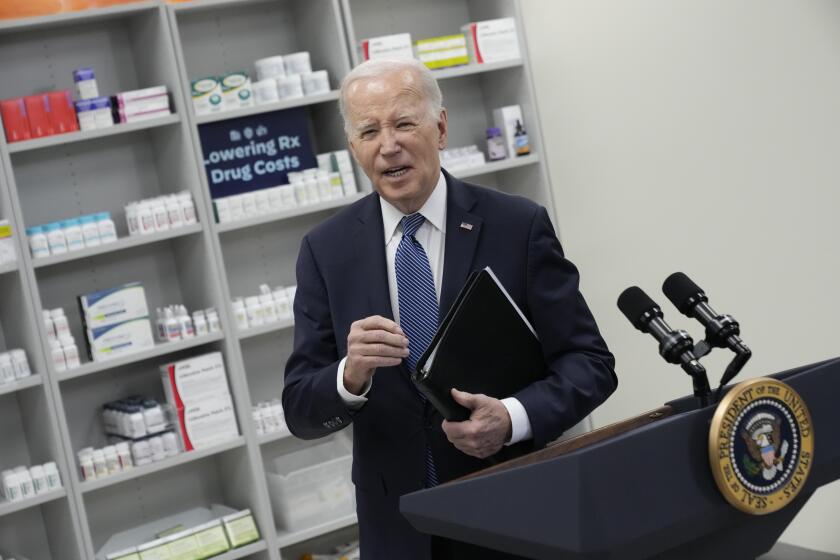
pixel 311 403
pixel 581 374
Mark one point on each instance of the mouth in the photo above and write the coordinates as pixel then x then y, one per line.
pixel 396 171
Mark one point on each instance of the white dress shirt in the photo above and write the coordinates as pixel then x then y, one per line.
pixel 431 236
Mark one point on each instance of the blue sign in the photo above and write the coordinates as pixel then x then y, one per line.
pixel 255 152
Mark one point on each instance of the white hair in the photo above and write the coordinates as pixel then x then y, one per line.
pixel 370 69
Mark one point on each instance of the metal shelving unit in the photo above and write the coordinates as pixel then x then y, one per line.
pixel 149 43
pixel 118 245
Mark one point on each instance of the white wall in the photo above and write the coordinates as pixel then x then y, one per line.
pixel 701 136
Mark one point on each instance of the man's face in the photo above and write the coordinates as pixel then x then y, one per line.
pixel 394 138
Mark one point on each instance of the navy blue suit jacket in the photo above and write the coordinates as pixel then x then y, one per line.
pixel 342 277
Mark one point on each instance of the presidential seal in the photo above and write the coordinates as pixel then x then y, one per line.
pixel 761 445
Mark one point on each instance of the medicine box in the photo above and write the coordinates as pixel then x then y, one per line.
pixel 138 95
pixel 236 91
pixel 183 546
pixel 240 528
pixel 443 52
pixel 388 46
pixel 194 379
pixel 127 554
pixel 206 95
pixel 493 40
pixel 211 538
pixel 207 422
pixel 312 486
pixel 115 340
pixel 155 550
pixel 114 305
pixel 505 118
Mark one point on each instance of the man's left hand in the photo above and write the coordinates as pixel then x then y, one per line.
pixel 486 430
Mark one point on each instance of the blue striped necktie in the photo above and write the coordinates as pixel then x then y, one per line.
pixel 418 305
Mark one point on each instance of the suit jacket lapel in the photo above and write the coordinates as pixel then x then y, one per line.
pixel 463 230
pixel 372 272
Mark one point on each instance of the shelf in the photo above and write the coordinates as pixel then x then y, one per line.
pixel 274 436
pixel 81 16
pixel 7 508
pixel 268 107
pixel 118 245
pixel 159 349
pixel 470 69
pixel 242 552
pixel 32 381
pixel 200 5
pixel 70 137
pixel 285 539
pixel 293 213
pixel 180 459
pixel 280 325
pixel 8 267
pixel 495 166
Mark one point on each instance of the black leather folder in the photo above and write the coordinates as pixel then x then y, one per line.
pixel 484 345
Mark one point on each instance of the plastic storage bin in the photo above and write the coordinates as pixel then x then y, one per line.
pixel 312 486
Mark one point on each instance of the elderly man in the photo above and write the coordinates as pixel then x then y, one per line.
pixel 375 280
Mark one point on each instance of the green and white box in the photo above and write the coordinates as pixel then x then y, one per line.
pixel 127 554
pixel 236 91
pixel 184 546
pixel 211 539
pixel 206 95
pixel 154 550
pixel 240 528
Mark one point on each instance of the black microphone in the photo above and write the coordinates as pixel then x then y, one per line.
pixel 721 330
pixel 676 347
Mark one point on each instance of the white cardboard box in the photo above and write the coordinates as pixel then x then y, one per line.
pixel 113 341
pixel 207 422
pixel 505 118
pixel 194 379
pixel 388 46
pixel 114 305
pixel 493 40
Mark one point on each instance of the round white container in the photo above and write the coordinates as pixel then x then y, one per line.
pixel 316 83
pixel 297 63
pixel 289 87
pixel 270 67
pixel 265 91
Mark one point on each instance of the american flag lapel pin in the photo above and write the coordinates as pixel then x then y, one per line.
pixel 466 226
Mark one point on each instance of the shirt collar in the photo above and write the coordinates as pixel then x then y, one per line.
pixel 434 211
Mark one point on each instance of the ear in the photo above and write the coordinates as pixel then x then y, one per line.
pixel 443 127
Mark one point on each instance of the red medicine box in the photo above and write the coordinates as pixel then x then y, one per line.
pixel 14 119
pixel 62 114
pixel 38 111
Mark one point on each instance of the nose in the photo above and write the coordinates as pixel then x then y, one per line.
pixel 389 144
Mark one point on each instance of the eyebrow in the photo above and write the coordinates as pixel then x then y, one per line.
pixel 364 124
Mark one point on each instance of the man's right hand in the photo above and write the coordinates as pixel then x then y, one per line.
pixel 373 342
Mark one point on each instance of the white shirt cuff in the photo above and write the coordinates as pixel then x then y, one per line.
pixel 354 401
pixel 520 424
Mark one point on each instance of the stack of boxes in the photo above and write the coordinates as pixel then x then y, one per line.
pixel 116 321
pixel 38 115
pixel 142 104
pixel 55 112
pixel 197 390
pixel 204 541
pixel 482 42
